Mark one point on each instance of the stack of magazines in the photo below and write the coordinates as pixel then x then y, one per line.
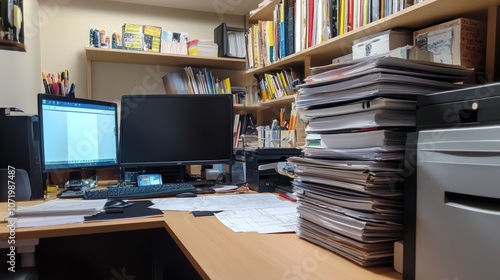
pixel 350 179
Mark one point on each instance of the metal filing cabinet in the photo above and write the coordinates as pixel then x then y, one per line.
pixel 457 217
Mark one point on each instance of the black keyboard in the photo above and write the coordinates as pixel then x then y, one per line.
pixel 162 190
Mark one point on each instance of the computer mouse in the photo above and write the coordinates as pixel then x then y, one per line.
pixel 185 194
pixel 116 203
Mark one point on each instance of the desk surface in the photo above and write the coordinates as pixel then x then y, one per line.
pixel 217 252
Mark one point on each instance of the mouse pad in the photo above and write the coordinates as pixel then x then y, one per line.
pixel 136 210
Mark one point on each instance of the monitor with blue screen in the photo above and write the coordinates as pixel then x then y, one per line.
pixel 76 133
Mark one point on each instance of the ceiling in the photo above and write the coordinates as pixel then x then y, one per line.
pixel 233 7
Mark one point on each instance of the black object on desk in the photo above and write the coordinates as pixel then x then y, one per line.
pixel 137 210
pixel 162 190
pixel 267 180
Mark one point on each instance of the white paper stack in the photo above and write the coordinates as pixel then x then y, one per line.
pixel 349 182
pixel 57 212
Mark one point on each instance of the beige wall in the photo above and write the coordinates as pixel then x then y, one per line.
pixel 64 34
pixel 20 78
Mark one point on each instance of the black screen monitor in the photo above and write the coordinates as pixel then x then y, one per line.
pixel 76 133
pixel 176 129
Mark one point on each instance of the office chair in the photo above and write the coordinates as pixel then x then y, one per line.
pixel 20 185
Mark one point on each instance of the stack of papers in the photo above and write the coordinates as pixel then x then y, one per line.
pixel 263 213
pixel 349 181
pixel 57 212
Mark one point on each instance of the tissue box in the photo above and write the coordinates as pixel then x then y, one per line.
pixel 459 42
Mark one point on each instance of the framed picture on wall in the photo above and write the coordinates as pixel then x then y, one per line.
pixel 12 25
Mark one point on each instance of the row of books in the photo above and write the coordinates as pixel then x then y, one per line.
pixel 201 82
pixel 301 24
pixel 239 95
pixel 350 179
pixel 243 124
pixel 278 84
pixel 153 38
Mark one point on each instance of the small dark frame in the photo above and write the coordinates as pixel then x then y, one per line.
pixel 12 25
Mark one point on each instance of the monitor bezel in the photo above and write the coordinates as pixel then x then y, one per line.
pixel 40 98
pixel 138 165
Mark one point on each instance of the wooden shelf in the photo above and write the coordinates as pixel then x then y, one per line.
pixel 165 59
pixel 427 13
pixel 266 104
pixel 264 12
pixel 150 58
pixel 12 45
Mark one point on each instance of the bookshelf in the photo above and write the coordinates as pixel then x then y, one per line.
pixel 426 13
pixel 150 58
pixel 417 16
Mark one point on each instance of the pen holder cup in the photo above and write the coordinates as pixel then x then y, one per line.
pixel 277 139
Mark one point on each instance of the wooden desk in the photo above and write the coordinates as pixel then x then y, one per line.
pixel 217 252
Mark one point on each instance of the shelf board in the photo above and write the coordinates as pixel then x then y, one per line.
pixel 262 105
pixel 415 17
pixel 165 59
pixel 265 12
pixel 12 45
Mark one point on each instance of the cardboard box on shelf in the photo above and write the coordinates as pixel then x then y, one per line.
pixel 381 43
pixel 460 42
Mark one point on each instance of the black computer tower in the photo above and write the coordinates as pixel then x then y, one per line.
pixel 20 148
pixel 267 179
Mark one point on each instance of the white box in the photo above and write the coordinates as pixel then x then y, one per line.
pixel 381 43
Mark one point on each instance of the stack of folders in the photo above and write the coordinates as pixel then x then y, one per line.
pixel 349 182
pixel 57 212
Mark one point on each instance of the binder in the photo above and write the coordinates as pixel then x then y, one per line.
pixel 228 44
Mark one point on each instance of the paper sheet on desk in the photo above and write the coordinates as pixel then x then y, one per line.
pixel 222 202
pixel 25 222
pixel 269 220
pixel 59 207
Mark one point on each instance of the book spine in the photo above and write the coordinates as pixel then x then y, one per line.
pixel 290 28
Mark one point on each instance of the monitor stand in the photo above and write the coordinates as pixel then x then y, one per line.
pixel 75 175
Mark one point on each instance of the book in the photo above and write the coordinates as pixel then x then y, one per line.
pixel 174 42
pixel 152 38
pixel 133 36
pixel 176 82
pixel 236 130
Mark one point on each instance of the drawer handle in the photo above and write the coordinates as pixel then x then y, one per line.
pixel 481 204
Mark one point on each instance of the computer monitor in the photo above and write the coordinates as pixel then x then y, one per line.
pixel 76 133
pixel 176 129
